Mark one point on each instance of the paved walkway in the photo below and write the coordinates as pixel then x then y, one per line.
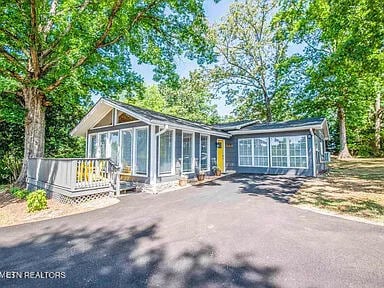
pixel 234 232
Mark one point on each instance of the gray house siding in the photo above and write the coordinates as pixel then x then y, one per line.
pixel 231 156
pixel 213 150
pixel 319 144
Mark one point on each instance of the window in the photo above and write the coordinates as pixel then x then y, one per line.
pixel 166 148
pixel 260 150
pixel 141 151
pixel 298 152
pixel 126 148
pixel 114 146
pixel 204 152
pixel 103 145
pixel 289 152
pixel 187 152
pixel 245 152
pixel 279 152
pixel 93 146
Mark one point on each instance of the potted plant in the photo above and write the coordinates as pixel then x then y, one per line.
pixel 216 170
pixel 200 176
pixel 183 180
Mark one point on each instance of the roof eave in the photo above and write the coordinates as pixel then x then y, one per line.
pixel 290 129
pixel 192 129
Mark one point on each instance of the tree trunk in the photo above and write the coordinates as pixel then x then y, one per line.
pixel 378 111
pixel 344 152
pixel 268 109
pixel 34 135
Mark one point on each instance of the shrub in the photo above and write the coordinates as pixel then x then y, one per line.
pixel 37 201
pixel 19 193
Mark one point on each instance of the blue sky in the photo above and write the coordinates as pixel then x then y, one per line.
pixel 214 12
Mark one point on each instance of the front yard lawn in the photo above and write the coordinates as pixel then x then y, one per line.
pixel 351 187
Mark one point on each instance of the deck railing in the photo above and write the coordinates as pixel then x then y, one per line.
pixel 73 174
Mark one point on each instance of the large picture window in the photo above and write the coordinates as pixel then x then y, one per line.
pixel 289 152
pixel 187 152
pixel 204 152
pixel 93 146
pixel 166 148
pixel 245 152
pixel 260 150
pixel 298 152
pixel 279 152
pixel 141 151
pixel 126 149
pixel 114 146
pixel 103 145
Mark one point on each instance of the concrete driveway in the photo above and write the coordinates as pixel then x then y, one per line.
pixel 234 232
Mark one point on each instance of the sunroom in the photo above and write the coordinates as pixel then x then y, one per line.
pixel 128 146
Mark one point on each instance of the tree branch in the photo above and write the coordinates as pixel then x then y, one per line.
pixel 52 12
pixel 14 75
pixel 35 67
pixel 11 58
pixel 50 49
pixel 100 42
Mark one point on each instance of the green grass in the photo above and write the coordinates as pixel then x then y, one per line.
pixel 352 187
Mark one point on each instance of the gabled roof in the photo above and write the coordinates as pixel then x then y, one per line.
pixel 234 125
pixel 103 106
pixel 292 125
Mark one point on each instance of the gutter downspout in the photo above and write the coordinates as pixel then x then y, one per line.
pixel 162 131
pixel 313 153
pixel 153 162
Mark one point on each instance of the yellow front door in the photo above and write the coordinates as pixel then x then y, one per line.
pixel 220 154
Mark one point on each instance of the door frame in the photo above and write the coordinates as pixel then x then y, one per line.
pixel 223 147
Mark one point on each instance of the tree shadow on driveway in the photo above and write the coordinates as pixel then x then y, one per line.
pixel 126 257
pixel 279 188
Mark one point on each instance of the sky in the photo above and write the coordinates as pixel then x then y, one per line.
pixel 214 12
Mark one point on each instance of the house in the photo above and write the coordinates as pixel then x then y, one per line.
pixel 127 144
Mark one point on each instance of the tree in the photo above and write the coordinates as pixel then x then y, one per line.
pixel 191 99
pixel 334 34
pixel 59 51
pixel 251 52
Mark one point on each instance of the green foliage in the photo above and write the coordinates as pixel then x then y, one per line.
pixel 341 65
pixel 11 151
pixel 250 73
pixel 54 54
pixel 191 99
pixel 19 193
pixel 36 201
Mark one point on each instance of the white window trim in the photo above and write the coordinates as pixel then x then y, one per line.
pixel 238 152
pixel 208 153
pixel 173 168
pixel 130 130
pixel 193 153
pixel 134 152
pixel 90 146
pixel 288 152
pixel 253 152
pixel 108 150
pixel 306 153
pixel 270 148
